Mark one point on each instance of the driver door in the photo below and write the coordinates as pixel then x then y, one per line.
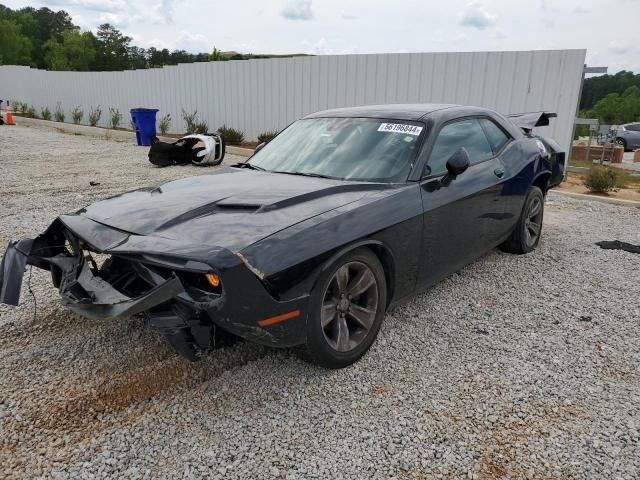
pixel 461 220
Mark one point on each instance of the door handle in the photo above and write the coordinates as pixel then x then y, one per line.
pixel 499 172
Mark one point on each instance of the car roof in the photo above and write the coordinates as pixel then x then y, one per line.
pixel 402 111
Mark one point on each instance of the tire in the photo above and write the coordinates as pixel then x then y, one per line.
pixel 526 235
pixel 345 319
pixel 622 142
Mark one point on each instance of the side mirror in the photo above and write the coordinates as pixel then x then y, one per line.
pixel 456 165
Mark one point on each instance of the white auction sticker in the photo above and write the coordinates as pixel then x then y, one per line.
pixel 400 128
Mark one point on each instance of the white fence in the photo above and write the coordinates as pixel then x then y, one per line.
pixel 267 94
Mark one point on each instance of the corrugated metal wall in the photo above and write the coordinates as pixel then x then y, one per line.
pixel 268 94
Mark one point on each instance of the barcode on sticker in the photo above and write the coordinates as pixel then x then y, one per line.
pixel 400 128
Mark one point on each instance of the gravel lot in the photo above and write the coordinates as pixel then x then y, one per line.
pixel 518 366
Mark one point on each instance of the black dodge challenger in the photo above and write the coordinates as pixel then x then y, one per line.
pixel 343 215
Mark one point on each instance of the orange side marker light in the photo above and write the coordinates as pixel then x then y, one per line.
pixel 213 279
pixel 267 322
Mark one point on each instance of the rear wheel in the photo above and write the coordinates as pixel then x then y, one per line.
pixel 526 234
pixel 348 306
pixel 622 142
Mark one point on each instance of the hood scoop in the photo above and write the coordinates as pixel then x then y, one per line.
pixel 234 207
pixel 210 209
pixel 227 208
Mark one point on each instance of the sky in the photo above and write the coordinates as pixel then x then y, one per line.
pixel 609 30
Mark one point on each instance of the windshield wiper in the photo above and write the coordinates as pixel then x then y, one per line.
pixel 308 174
pixel 248 165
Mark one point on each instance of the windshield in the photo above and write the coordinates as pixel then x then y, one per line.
pixel 344 148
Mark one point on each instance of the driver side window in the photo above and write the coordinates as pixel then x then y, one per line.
pixel 465 133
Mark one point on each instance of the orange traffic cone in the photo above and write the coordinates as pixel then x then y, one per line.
pixel 9 118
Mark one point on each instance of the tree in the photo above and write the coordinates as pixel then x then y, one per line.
pixel 137 58
pixel 158 58
pixel 77 51
pixel 112 52
pixel 596 88
pixel 15 48
pixel 216 56
pixel 43 25
pixel 616 109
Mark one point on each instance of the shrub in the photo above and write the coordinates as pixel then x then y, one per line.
pixel 116 117
pixel 17 106
pixel 190 120
pixel 201 127
pixel 23 108
pixel 31 112
pixel 77 114
pixel 59 113
pixel 94 115
pixel 194 125
pixel 164 124
pixel 601 180
pixel 45 113
pixel 266 137
pixel 231 135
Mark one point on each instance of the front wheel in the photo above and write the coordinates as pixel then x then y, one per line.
pixel 526 234
pixel 348 306
pixel 622 142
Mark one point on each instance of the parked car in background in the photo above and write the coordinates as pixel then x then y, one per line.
pixel 343 215
pixel 628 136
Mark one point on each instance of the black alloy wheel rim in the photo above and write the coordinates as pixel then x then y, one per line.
pixel 533 221
pixel 349 306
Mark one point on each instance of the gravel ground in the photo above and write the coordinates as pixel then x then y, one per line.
pixel 518 366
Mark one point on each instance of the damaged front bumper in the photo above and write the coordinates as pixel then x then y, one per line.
pixel 103 272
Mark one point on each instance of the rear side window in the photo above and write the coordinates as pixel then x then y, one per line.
pixel 465 133
pixel 496 136
pixel 634 127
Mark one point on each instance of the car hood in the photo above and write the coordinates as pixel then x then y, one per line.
pixel 231 208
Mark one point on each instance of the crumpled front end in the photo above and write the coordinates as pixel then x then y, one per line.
pixel 102 272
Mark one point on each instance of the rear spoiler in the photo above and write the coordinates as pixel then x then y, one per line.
pixel 526 121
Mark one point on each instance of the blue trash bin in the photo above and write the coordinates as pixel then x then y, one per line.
pixel 144 120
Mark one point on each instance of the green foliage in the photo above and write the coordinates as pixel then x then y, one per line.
pixel 15 47
pixel 59 114
pixel 17 106
pixel 23 108
pixel 617 108
pixel 115 117
pixel 190 120
pixel 217 56
pixel 164 124
pixel 77 51
pixel 31 112
pixel 94 115
pixel 45 113
pixel 77 113
pixel 43 39
pixel 38 26
pixel 596 88
pixel 112 51
pixel 601 180
pixel 581 131
pixel 266 137
pixel 201 127
pixel 231 135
